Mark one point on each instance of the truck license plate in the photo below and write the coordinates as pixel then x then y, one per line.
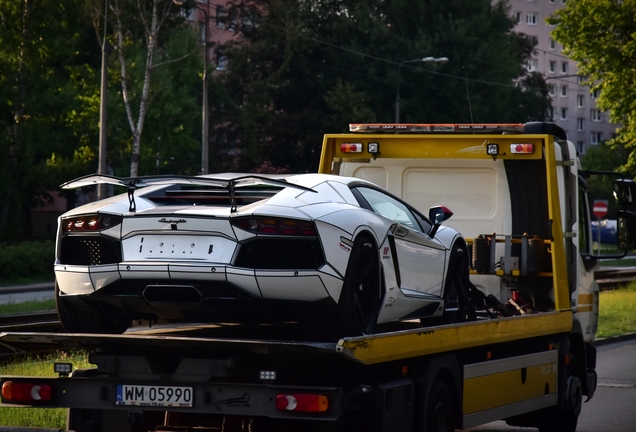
pixel 142 395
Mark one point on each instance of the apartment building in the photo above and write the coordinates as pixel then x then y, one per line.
pixel 573 104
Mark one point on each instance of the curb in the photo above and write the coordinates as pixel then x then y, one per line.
pixel 614 339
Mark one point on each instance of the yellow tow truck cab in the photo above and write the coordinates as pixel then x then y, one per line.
pixel 519 196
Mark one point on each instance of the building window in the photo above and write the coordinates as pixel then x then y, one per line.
pixel 233 18
pixel 221 17
pixel 580 124
pixel 552 90
pixel 221 59
pixel 249 19
pixel 552 66
pixel 580 101
pixel 595 115
pixel 596 93
pixel 531 18
pixel 532 65
pixel 552 44
pixel 580 79
pixel 564 113
pixel 518 17
pixel 564 91
pixel 564 67
pixel 595 138
pixel 202 33
pixel 552 1
pixel 550 114
pixel 581 146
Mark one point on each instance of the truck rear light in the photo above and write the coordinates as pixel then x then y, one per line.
pixel 521 148
pixel 24 392
pixel 302 402
pixel 351 147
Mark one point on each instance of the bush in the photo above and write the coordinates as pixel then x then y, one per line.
pixel 30 261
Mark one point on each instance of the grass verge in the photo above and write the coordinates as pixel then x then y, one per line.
pixel 617 312
pixel 39 366
pixel 27 306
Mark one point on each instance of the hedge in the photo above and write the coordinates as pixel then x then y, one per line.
pixel 29 261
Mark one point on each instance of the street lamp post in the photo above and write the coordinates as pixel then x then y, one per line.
pixel 102 167
pixel 418 60
pixel 204 109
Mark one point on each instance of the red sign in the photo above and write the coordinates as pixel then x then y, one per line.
pixel 599 208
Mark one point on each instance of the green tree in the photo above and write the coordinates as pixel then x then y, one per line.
pixel 310 67
pixel 141 36
pixel 43 65
pixel 599 36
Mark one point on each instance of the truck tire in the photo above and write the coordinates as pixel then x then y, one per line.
pixel 359 304
pixel 80 321
pixel 565 418
pixel 440 413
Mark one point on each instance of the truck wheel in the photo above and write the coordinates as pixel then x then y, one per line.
pixel 359 303
pixel 80 321
pixel 565 418
pixel 439 409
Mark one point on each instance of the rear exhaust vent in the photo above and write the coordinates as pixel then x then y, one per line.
pixel 172 294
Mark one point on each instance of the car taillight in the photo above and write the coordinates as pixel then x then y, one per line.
pixel 302 402
pixel 24 392
pixel 90 223
pixel 275 226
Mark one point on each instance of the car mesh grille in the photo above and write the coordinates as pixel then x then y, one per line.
pixel 281 253
pixel 92 250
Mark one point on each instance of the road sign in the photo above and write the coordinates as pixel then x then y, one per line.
pixel 599 208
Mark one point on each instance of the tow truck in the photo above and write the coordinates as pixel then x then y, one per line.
pixel 519 196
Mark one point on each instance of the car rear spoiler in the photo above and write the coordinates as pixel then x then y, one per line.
pixel 226 181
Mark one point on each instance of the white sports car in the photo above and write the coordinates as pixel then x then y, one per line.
pixel 336 252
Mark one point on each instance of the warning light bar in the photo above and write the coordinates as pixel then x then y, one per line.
pixel 437 128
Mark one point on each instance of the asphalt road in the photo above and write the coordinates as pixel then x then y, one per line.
pixel 31 292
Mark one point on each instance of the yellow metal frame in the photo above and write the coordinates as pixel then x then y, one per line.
pixel 434 340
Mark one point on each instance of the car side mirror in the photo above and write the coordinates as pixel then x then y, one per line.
pixel 437 215
pixel 626 230
pixel 624 191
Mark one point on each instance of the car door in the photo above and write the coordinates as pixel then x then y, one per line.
pixel 418 259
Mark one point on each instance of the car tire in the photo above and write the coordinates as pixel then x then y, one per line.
pixel 360 298
pixel 80 321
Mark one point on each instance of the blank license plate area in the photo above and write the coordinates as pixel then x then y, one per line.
pixel 176 247
pixel 141 395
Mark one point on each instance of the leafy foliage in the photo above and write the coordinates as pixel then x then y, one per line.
pixel 598 35
pixel 312 67
pixel 27 261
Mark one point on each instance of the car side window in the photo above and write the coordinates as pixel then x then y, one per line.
pixel 387 206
